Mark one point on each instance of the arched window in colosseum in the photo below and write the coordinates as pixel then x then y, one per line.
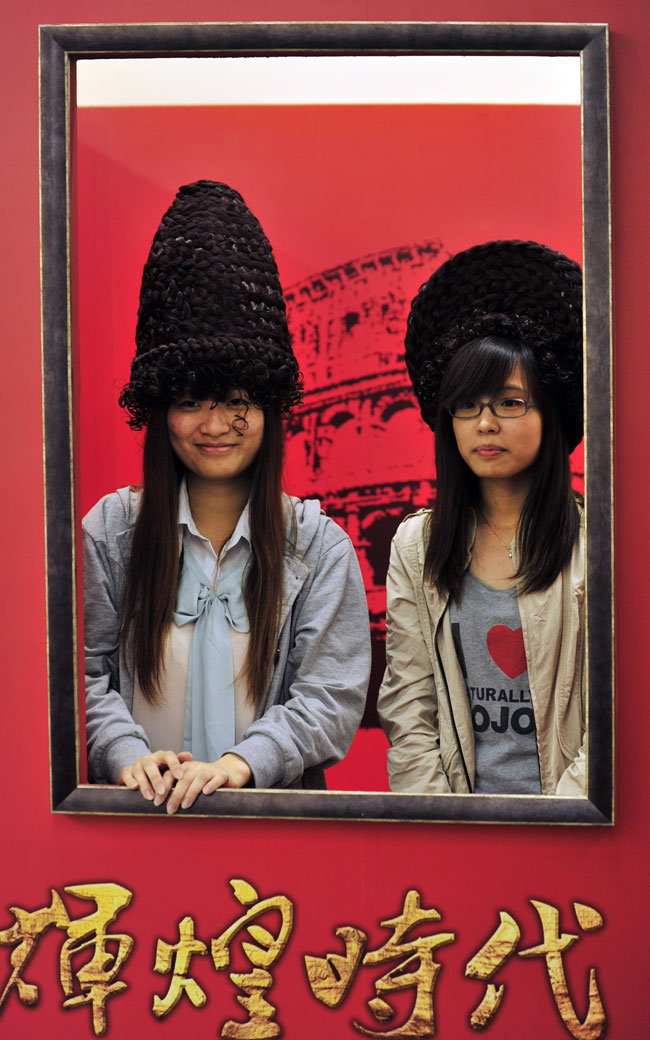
pixel 340 449
pixel 402 443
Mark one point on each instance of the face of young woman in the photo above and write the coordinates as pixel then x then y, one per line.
pixel 501 448
pixel 211 440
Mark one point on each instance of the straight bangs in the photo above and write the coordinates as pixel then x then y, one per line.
pixel 482 367
pixel 209 383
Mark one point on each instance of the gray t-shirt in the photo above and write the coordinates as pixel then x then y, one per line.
pixel 487 633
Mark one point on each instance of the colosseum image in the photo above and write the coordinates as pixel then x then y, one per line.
pixel 357 441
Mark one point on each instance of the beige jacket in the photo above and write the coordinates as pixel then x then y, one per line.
pixel 423 703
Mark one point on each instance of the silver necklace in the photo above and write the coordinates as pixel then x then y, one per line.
pixel 508 548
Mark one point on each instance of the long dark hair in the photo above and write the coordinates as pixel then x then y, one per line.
pixel 549 524
pixel 154 565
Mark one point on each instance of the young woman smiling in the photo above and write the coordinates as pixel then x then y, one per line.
pixel 483 689
pixel 227 639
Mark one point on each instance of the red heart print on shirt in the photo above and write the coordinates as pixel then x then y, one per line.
pixel 507 649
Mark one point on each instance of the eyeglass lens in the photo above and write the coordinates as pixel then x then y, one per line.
pixel 504 408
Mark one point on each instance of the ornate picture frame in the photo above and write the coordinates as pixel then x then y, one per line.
pixel 60 47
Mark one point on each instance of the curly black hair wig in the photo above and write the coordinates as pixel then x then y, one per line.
pixel 212 315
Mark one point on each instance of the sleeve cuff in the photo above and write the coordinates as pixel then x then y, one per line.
pixel 119 754
pixel 265 759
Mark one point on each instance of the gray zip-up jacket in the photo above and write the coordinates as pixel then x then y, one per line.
pixel 322 663
pixel 423 703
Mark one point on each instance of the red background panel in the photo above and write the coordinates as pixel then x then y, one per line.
pixel 352 873
pixel 327 186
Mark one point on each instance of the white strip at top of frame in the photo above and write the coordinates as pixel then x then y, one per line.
pixel 327 80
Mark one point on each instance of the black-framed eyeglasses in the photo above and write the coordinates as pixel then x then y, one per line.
pixel 502 408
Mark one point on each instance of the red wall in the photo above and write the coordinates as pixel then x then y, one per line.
pixel 331 185
pixel 335 874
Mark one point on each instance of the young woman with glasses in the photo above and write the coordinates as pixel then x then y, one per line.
pixel 483 689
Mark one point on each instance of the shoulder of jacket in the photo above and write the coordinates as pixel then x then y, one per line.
pixel 412 528
pixel 113 514
pixel 309 530
pixel 577 564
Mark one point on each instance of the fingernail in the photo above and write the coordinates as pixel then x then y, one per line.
pixel 185 804
pixel 148 793
pixel 178 773
pixel 160 789
pixel 170 808
pixel 158 800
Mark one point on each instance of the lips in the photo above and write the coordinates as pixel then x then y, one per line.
pixel 215 449
pixel 489 451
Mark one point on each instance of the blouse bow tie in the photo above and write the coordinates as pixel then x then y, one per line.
pixel 216 608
